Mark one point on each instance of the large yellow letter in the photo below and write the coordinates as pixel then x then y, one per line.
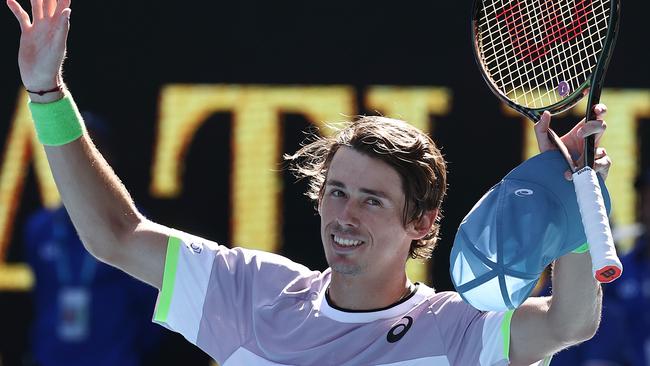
pixel 256 145
pixel 20 147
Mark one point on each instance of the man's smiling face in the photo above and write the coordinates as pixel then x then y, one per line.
pixel 361 214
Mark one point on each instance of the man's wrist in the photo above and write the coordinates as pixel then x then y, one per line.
pixel 48 97
pixel 46 92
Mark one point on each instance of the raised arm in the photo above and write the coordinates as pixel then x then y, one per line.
pixel 543 326
pixel 101 209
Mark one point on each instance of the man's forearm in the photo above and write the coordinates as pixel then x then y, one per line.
pixel 576 304
pixel 99 205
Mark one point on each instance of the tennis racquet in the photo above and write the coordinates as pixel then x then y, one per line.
pixel 545 55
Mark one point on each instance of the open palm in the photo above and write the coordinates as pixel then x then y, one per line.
pixel 42 41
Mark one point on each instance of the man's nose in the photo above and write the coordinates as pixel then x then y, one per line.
pixel 349 215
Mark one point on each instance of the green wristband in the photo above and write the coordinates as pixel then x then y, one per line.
pixel 584 248
pixel 57 123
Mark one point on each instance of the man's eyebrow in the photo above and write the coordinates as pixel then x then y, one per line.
pixel 335 183
pixel 380 194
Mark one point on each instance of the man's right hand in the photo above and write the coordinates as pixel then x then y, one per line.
pixel 42 44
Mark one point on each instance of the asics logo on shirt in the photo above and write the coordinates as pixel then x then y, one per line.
pixel 398 331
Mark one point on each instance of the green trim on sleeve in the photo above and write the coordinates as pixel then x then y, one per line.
pixel 169 279
pixel 505 332
pixel 584 248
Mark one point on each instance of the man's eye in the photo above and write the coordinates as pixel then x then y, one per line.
pixel 373 202
pixel 337 193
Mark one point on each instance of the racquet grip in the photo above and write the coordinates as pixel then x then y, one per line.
pixel 604 262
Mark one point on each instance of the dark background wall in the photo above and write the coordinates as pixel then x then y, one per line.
pixel 120 54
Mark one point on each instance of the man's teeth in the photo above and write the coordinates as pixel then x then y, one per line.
pixel 346 242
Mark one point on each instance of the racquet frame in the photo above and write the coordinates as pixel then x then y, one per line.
pixel 605 269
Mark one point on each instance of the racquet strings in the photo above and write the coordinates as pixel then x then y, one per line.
pixel 539 52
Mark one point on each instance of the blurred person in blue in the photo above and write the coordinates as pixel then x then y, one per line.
pixel 85 312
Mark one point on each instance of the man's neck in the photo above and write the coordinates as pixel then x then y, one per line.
pixel 357 293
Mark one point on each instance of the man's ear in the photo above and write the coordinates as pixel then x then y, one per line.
pixel 419 228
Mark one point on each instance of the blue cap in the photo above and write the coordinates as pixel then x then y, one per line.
pixel 514 231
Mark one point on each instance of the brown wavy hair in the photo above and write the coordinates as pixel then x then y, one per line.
pixel 416 158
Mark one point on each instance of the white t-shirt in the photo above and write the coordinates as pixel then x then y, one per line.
pixel 247 307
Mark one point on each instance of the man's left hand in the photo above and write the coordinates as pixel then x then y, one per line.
pixel 574 140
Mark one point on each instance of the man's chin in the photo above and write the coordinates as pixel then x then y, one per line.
pixel 346 269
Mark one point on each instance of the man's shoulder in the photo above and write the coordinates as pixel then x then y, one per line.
pixel 268 258
pixel 446 298
pixel 446 302
pixel 244 263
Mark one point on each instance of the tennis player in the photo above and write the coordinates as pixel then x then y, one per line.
pixel 378 184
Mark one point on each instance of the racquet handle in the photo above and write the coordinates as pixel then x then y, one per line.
pixel 604 262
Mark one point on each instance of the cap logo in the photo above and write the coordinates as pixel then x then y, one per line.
pixel 523 192
pixel 196 248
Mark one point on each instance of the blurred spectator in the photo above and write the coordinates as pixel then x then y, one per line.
pixel 86 312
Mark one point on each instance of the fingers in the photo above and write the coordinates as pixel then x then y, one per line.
pixel 20 14
pixel 40 9
pixel 64 21
pixel 48 7
pixel 602 162
pixel 591 128
pixel 596 127
pixel 62 5
pixel 544 122
pixel 63 11
pixel 65 15
pixel 600 110
pixel 37 9
pixel 541 132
